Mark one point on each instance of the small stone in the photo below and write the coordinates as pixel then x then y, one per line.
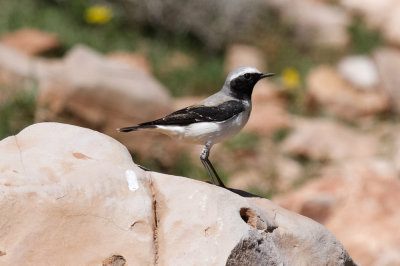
pixel 31 41
pixel 360 71
pixel 388 62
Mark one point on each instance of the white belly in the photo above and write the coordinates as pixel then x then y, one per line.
pixel 203 132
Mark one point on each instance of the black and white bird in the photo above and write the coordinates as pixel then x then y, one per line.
pixel 213 119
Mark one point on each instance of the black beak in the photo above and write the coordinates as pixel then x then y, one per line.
pixel 265 75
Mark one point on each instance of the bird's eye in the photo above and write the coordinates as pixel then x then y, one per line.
pixel 247 76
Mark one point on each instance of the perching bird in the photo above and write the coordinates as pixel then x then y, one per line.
pixel 213 119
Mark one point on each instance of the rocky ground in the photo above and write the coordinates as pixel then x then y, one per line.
pixel 336 159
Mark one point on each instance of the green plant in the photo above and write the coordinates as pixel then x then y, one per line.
pixel 242 140
pixel 363 40
pixel 17 112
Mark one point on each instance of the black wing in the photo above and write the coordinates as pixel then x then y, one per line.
pixel 196 114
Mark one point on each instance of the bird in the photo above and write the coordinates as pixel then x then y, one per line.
pixel 213 119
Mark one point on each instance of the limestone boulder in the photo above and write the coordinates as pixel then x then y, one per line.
pixel 340 97
pixel 358 202
pixel 73 196
pixel 31 41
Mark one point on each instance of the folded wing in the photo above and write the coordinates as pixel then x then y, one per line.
pixel 197 114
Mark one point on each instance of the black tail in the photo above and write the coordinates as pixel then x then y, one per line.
pixel 134 128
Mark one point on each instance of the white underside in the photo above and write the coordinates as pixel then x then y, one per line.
pixel 204 132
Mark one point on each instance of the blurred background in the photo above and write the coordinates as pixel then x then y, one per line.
pixel 322 139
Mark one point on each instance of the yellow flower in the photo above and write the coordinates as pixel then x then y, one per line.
pixel 291 78
pixel 98 14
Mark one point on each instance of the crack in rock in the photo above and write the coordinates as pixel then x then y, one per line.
pixel 155 225
pixel 20 154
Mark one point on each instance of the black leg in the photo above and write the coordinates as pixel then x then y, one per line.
pixel 204 162
pixel 207 164
pixel 221 184
pixel 143 168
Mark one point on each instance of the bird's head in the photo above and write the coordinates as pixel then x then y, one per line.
pixel 240 82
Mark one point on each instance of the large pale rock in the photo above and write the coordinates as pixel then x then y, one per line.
pixel 31 41
pixel 388 62
pixel 339 97
pixel 72 196
pixel 358 202
pixel 322 139
pixel 65 199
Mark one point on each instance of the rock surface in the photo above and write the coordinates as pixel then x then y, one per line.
pixel 358 202
pixel 31 41
pixel 70 195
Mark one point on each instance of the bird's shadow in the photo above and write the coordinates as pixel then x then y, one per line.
pixel 236 191
pixel 243 193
